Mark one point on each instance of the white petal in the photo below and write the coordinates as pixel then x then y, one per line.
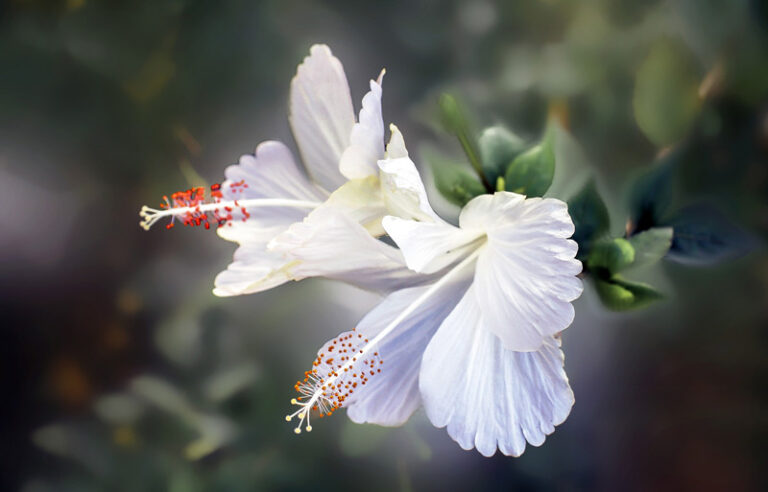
pixel 430 246
pixel 253 231
pixel 360 200
pixel 270 172
pixel 367 138
pixel 321 115
pixel 401 185
pixel 330 244
pixel 391 396
pixel 503 208
pixel 487 211
pixel 254 270
pixel 525 278
pixel 487 396
pixel 396 146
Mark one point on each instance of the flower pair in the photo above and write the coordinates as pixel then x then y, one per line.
pixel 469 328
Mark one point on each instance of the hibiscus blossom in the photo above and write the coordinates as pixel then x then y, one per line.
pixel 267 192
pixel 478 346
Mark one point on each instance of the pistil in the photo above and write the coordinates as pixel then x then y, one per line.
pixel 192 208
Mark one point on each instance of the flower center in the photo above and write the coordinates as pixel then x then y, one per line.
pixel 193 209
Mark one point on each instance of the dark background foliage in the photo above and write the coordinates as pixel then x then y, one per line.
pixel 115 356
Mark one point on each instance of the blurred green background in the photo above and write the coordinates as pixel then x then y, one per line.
pixel 121 372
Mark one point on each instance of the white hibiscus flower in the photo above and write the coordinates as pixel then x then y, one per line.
pixel 479 346
pixel 265 203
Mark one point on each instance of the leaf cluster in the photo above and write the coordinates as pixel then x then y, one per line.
pixel 500 159
pixel 657 226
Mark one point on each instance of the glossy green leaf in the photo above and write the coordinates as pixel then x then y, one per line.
pixel 618 294
pixel 666 99
pixel 590 217
pixel 498 148
pixel 531 173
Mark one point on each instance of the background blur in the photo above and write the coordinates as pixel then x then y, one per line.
pixel 120 370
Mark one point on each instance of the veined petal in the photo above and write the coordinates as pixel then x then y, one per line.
pixel 270 172
pixel 525 278
pixel 329 243
pixel 430 246
pixel 489 397
pixel 401 186
pixel 393 395
pixel 254 269
pixel 321 115
pixel 504 208
pixel 366 145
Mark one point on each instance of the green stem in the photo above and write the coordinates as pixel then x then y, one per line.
pixel 474 160
pixel 455 122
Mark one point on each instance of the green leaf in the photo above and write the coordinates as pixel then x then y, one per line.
pixel 704 236
pixel 573 169
pixel 650 246
pixel 618 294
pixel 652 193
pixel 453 180
pixel 666 99
pixel 498 148
pixel 610 256
pixel 590 217
pixel 531 173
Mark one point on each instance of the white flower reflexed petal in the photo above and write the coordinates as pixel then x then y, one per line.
pixel 489 397
pixel 526 278
pixel 321 115
pixel 366 144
